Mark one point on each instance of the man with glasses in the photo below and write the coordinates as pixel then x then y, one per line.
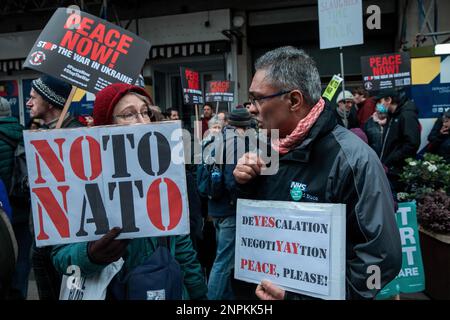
pixel 332 164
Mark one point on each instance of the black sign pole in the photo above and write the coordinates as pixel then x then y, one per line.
pixel 343 80
pixel 217 107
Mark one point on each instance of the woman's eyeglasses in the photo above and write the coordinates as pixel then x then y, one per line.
pixel 130 116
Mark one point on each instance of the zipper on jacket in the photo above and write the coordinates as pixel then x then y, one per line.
pixel 385 138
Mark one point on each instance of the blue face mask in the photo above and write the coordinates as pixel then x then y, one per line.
pixel 381 108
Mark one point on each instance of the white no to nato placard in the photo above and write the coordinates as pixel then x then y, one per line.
pixel 85 181
pixel 340 23
pixel 298 246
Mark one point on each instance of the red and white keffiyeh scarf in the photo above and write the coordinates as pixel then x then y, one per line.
pixel 285 145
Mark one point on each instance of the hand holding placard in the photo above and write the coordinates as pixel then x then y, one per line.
pixel 107 249
pixel 247 168
pixel 266 290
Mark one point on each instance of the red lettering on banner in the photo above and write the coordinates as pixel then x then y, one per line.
pixel 72 21
pixel 97 43
pixel 114 59
pixel 84 46
pixel 77 162
pixel 99 33
pixel 192 79
pixel 385 65
pixel 69 40
pixel 57 215
pixel 85 25
pixel 262 221
pixel 124 43
pixel 154 204
pixel 109 35
pixel 101 53
pixel 257 266
pixel 219 86
pixel 53 162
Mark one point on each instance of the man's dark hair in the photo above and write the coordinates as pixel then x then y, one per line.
pixel 361 91
pixel 169 111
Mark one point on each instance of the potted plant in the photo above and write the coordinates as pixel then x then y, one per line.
pixel 428 183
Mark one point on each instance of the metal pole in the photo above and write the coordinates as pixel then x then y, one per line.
pixel 343 77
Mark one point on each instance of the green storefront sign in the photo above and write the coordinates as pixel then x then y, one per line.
pixel 411 277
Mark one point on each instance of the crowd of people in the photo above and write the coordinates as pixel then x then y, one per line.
pixel 352 154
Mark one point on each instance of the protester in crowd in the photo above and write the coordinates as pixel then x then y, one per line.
pixel 439 137
pixel 4 201
pixel 173 114
pixel 333 164
pixel 375 128
pixel 401 138
pixel 47 98
pixel 10 133
pixel 346 112
pixel 207 247
pixel 223 116
pixel 215 124
pixel 222 208
pixel 8 253
pixel 10 137
pixel 365 105
pixel 127 105
pixel 207 115
pixel 255 124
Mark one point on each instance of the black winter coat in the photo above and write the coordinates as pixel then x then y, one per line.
pixel 401 138
pixel 335 166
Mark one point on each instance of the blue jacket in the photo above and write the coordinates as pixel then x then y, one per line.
pixel 225 205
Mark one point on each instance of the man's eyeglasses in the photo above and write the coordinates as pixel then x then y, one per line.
pixel 130 116
pixel 255 100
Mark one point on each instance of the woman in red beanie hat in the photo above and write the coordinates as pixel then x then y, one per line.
pixel 128 104
pixel 122 103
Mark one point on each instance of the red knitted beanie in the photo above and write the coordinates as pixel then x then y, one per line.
pixel 107 98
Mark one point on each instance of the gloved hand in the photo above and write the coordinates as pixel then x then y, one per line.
pixel 106 250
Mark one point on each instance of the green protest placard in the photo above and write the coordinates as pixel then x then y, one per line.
pixel 332 87
pixel 411 277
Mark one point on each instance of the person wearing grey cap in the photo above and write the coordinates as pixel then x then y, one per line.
pixel 47 98
pixel 346 111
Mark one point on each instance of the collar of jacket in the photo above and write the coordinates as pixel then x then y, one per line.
pixel 324 125
pixel 402 102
